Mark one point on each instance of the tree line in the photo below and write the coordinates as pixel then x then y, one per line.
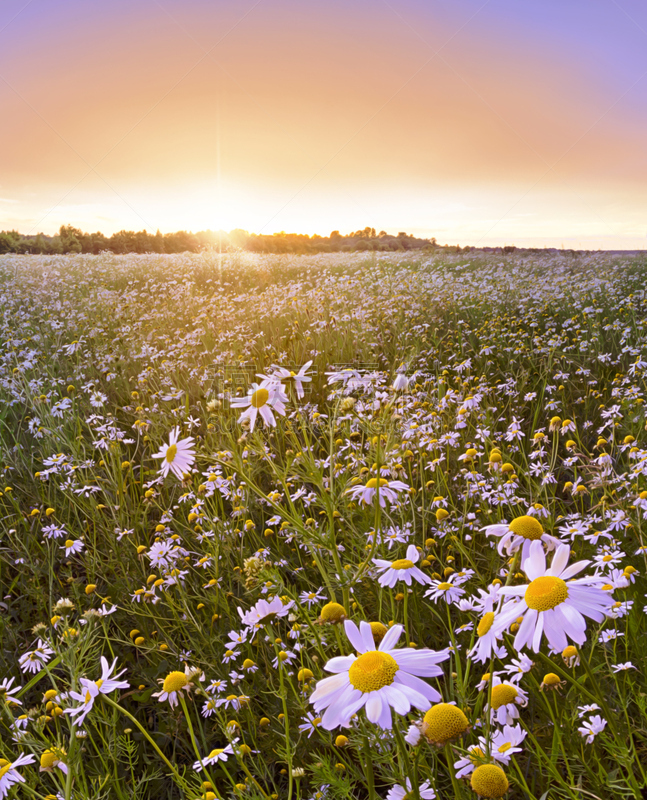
pixel 73 240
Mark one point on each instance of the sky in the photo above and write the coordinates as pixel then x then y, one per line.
pixel 480 122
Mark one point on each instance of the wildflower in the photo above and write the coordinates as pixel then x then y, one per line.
pixel 9 774
pixel 489 781
pixel 505 742
pixel 264 612
pixel 172 685
pixel 590 729
pixel 310 724
pixel 261 400
pixel 72 547
pixel 397 792
pixel 297 379
pixel 443 722
pixel 403 569
pixel 379 679
pixel 551 681
pixel 388 490
pixel 331 614
pixel 178 455
pixel 52 758
pixel 92 689
pixel 505 697
pixel 35 660
pixel 448 591
pixel 7 692
pixel 220 754
pixel 551 604
pixel 520 533
pixel 468 763
pixel 622 667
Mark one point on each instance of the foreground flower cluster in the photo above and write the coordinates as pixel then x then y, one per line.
pixel 378 538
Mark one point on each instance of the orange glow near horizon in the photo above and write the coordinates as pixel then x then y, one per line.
pixel 277 116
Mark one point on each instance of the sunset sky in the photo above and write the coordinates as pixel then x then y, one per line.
pixel 476 121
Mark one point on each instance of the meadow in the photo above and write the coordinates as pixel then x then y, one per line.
pixel 321 527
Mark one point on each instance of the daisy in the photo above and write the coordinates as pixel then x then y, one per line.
pixel 520 533
pixel 397 792
pixel 283 374
pixel 72 546
pixel 378 678
pixel 388 490
pixel 404 569
pixel 178 456
pixel 92 689
pixel 265 611
pixel 35 660
pixel 52 758
pixel 448 591
pixel 622 667
pixel 9 774
pixel 7 692
pixel 551 604
pixel 592 727
pixel 220 754
pixel 505 742
pixel 173 684
pixel 468 763
pixel 261 400
pixel 505 698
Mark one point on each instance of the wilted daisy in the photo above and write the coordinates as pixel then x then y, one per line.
pixel 90 690
pixel 520 533
pixel 551 604
pixel 261 400
pixel 53 758
pixel 404 569
pixel 35 660
pixel 378 678
pixel 177 456
pixel 388 490
pixel 9 774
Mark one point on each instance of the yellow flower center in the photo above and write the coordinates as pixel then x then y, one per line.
pixel 402 563
pixel 171 452
pixel 175 681
pixel 5 766
pixel 69 543
pixel 444 722
pixel 373 670
pixel 48 759
pixel 489 781
pixel 550 679
pixel 260 397
pixel 486 623
pixel 215 753
pixel 372 483
pixel 444 586
pixel 502 694
pixel 546 592
pixel 333 612
pixel 526 526
pixel 505 747
pixel 378 630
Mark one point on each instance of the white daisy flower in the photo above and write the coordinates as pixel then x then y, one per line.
pixel 72 547
pixel 505 699
pixel 379 679
pixel 261 400
pixel 219 754
pixel 9 774
pixel 404 569
pixel 551 604
pixel 449 591
pixel 178 455
pixel 397 792
pixel 265 611
pixel 504 743
pixel 35 660
pixel 388 490
pixel 7 692
pixel 296 378
pixel 90 690
pixel 592 727
pixel 520 533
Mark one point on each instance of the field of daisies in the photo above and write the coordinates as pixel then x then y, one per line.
pixel 324 527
